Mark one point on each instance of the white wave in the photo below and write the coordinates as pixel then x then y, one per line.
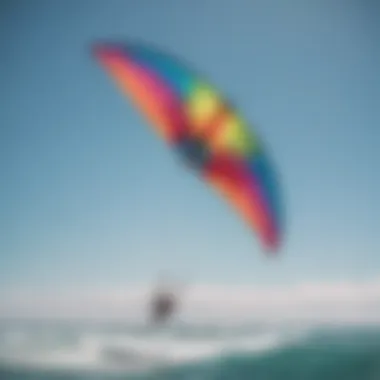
pixel 127 351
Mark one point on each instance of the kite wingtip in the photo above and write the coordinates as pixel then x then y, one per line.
pixel 98 48
pixel 111 43
pixel 272 247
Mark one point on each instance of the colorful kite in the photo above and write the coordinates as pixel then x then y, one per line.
pixel 193 117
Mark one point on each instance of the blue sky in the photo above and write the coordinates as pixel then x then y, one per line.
pixel 89 195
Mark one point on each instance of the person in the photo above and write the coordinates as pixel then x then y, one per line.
pixel 164 303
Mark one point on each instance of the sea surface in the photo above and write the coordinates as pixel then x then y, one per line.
pixel 88 351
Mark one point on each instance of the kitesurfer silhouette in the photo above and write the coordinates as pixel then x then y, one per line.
pixel 163 305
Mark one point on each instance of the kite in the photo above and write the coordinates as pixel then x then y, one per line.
pixel 202 126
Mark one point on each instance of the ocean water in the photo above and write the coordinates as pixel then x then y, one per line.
pixel 63 351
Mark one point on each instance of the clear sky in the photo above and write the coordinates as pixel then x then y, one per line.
pixel 89 194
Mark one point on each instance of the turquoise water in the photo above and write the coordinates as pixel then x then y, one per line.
pixel 63 352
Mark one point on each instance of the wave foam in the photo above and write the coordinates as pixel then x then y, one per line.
pixel 126 351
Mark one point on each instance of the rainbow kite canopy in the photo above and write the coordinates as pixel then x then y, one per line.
pixel 211 137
